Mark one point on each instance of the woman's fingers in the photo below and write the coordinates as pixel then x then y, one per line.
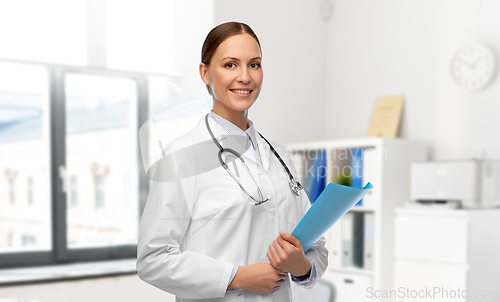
pixel 270 257
pixel 290 238
pixel 272 252
pixel 278 285
pixel 279 250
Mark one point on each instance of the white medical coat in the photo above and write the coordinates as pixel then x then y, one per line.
pixel 196 227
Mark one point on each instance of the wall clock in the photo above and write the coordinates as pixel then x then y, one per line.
pixel 473 66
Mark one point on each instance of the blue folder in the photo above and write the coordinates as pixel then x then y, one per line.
pixel 333 203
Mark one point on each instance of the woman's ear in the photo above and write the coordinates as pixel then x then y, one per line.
pixel 204 73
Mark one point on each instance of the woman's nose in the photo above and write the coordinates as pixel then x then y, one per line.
pixel 244 76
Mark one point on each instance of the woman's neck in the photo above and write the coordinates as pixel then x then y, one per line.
pixel 239 118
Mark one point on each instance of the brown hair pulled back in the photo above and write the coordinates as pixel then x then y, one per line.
pixel 220 33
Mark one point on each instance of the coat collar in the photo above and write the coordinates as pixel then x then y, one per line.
pixel 222 137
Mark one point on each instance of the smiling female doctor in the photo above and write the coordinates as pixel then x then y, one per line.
pixel 220 234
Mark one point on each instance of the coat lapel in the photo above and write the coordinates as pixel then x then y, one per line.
pixel 265 151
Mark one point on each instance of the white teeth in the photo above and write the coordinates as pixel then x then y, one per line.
pixel 241 91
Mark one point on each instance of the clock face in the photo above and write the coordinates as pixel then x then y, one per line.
pixel 473 66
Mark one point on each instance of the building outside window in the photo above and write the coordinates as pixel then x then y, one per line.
pixel 74 191
pixel 29 240
pixel 12 190
pixel 99 191
pixel 11 240
pixel 30 190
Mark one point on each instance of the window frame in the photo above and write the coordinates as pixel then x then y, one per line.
pixel 59 253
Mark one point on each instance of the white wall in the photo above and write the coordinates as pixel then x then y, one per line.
pixel 193 20
pixel 292 35
pixel 385 47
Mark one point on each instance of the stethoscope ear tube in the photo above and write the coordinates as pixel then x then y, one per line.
pixel 295 186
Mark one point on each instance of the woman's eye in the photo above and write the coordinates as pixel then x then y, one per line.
pixel 255 65
pixel 230 65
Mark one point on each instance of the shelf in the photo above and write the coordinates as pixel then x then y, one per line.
pixel 386 164
pixel 352 270
pixel 329 144
pixel 67 271
pixel 362 209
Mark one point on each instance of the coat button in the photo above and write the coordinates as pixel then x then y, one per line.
pixel 272 212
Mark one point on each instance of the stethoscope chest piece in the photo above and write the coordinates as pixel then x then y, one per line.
pixel 295 186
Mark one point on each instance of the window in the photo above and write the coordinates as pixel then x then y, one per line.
pixel 94 145
pixel 24 156
pixel 102 147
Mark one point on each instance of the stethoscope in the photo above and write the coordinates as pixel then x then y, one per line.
pixel 295 186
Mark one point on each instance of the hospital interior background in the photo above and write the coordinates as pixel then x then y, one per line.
pixel 79 78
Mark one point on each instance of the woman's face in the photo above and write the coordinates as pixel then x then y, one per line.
pixel 234 73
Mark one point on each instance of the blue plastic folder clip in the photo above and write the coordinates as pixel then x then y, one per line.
pixel 333 203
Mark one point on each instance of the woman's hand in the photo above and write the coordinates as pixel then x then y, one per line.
pixel 287 255
pixel 261 278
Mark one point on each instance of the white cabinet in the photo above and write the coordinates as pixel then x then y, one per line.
pixel 386 164
pixel 350 286
pixel 447 255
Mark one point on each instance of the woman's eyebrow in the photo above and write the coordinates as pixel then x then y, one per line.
pixel 236 59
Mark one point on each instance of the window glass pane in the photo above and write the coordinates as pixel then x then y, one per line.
pixel 147 43
pixel 74 191
pixel 30 190
pixel 101 154
pixel 52 31
pixel 172 113
pixel 25 205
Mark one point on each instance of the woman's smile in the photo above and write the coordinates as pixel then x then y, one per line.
pixel 242 92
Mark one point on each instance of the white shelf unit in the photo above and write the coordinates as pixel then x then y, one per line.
pixel 454 253
pixel 391 159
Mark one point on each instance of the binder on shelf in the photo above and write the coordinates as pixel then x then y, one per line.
pixel 370 173
pixel 357 238
pixel 341 170
pixel 334 242
pixel 347 242
pixel 369 230
pixel 357 170
pixel 316 176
